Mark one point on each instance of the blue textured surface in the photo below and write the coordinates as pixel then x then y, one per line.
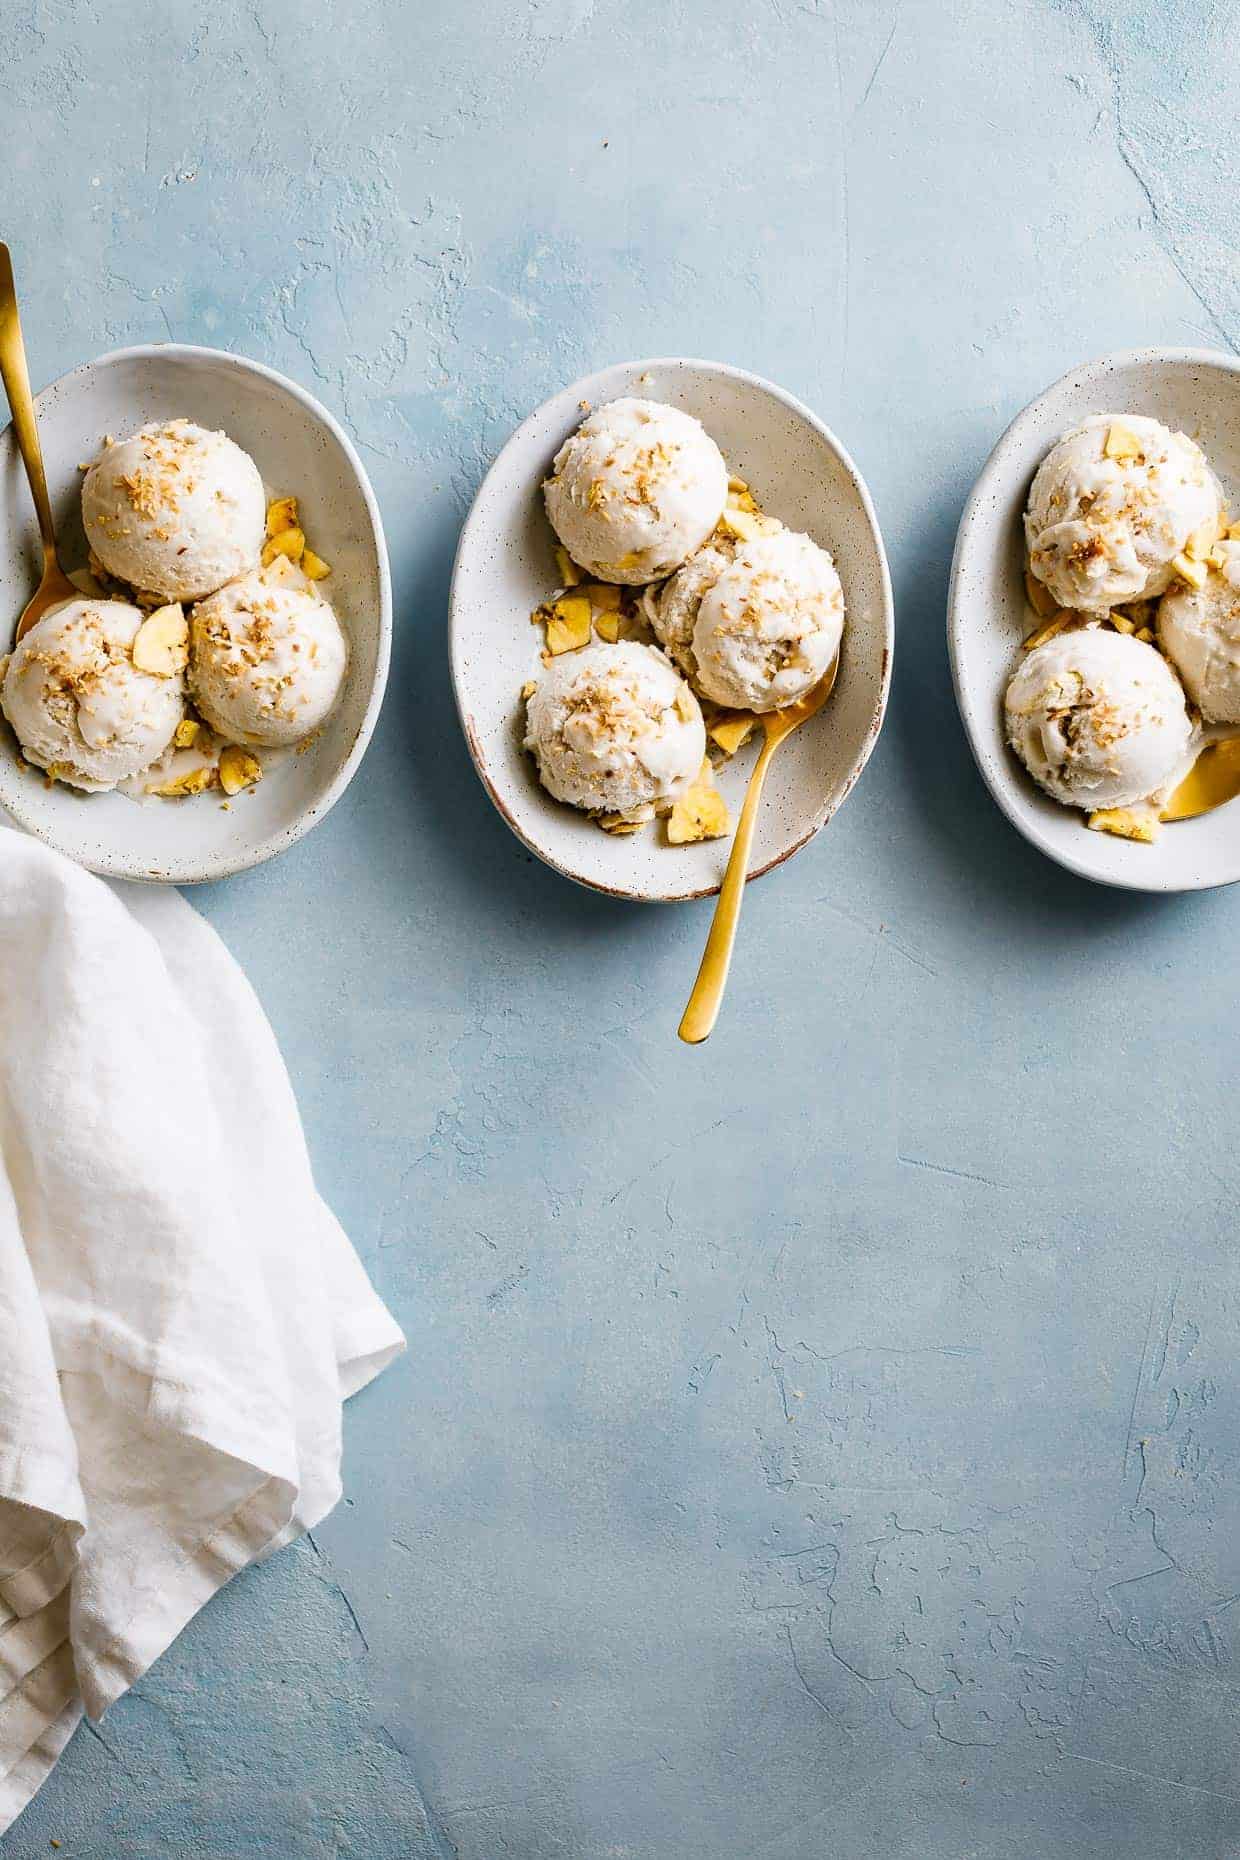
pixel 824 1443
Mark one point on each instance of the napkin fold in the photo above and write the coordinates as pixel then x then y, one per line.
pixel 181 1316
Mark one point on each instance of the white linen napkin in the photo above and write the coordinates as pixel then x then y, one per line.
pixel 180 1314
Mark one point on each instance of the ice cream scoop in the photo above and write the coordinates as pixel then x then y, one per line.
pixel 615 729
pixel 79 706
pixel 1112 506
pixel 673 608
pixel 1200 632
pixel 267 659
pixel 1099 719
pixel 175 509
pixel 636 489
pixel 768 625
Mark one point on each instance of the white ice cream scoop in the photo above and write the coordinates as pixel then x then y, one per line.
pixel 1099 720
pixel 79 706
pixel 673 608
pixel 615 729
pixel 175 509
pixel 770 624
pixel 1112 505
pixel 636 489
pixel 1200 632
pixel 267 659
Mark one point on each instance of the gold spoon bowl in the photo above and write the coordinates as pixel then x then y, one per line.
pixel 55 586
pixel 1213 780
pixel 702 1012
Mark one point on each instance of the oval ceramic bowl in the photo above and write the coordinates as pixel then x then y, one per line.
pixel 300 449
pixel 505 566
pixel 1191 390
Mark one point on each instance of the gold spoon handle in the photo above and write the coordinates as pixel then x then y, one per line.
pixel 702 1012
pixel 16 379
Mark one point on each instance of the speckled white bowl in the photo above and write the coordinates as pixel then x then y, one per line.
pixel 1191 390
pixel 505 566
pixel 300 449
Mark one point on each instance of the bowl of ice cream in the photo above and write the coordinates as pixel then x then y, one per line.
pixel 212 694
pixel 1094 615
pixel 634 492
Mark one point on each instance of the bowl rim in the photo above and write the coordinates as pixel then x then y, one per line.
pixel 1005 792
pixel 228 865
pixel 577 390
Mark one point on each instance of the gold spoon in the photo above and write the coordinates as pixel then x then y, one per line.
pixel 1213 780
pixel 702 1012
pixel 55 585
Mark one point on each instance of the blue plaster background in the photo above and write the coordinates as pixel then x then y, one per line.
pixel 824 1443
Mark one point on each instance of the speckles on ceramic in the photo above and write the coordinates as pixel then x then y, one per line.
pixel 504 567
pixel 299 449
pixel 1191 390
